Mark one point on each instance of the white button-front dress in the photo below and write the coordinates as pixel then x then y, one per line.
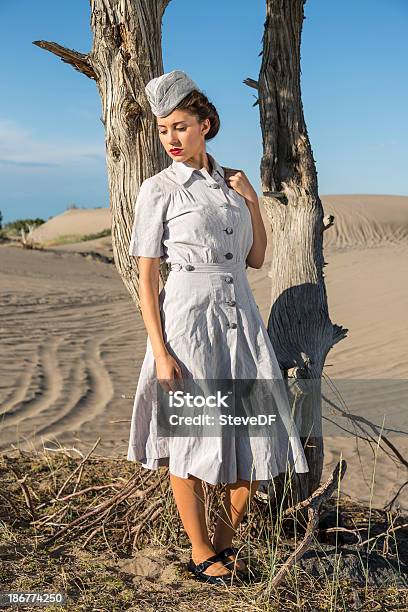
pixel 211 325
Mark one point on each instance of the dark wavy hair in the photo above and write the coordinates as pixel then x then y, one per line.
pixel 198 104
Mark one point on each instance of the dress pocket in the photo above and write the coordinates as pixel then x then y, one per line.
pixel 183 307
pixel 190 332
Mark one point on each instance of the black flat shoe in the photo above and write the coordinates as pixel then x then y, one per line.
pixel 198 571
pixel 244 575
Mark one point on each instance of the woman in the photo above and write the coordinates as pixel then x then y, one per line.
pixel 204 324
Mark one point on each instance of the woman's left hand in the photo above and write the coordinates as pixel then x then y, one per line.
pixel 238 180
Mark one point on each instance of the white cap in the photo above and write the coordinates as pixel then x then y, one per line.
pixel 166 91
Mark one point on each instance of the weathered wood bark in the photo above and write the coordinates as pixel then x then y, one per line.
pixel 298 325
pixel 126 53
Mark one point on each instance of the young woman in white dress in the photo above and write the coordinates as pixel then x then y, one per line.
pixel 183 133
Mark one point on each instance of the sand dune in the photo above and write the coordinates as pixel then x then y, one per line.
pixel 366 220
pixel 73 342
pixel 76 221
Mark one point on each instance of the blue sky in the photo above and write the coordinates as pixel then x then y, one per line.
pixel 354 91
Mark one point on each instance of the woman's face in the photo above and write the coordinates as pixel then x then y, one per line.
pixel 181 130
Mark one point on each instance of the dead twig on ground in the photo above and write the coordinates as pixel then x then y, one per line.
pixel 313 504
pixel 79 469
pixel 26 491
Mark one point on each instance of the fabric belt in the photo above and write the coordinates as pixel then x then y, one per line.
pixel 200 266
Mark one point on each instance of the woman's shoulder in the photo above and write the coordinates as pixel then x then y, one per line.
pixel 162 181
pixel 157 190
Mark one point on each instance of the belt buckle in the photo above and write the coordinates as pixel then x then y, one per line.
pixel 175 264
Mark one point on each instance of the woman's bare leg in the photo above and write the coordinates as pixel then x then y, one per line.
pixel 235 504
pixel 188 493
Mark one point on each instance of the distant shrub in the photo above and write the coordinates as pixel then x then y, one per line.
pixel 15 227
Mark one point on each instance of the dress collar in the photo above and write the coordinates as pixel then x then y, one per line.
pixel 184 171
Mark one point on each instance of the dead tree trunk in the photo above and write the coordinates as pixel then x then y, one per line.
pixel 298 325
pixel 126 53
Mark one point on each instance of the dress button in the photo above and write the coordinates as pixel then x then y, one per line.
pixel 231 302
pixel 214 185
pixel 233 325
pixel 228 256
pixel 189 267
pixel 228 279
pixel 229 230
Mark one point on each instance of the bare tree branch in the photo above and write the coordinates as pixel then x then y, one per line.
pixel 251 83
pixel 80 61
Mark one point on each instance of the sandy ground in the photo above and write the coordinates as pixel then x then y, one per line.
pixel 73 341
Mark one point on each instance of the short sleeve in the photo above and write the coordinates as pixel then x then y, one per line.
pixel 147 232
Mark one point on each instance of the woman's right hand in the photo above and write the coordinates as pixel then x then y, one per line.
pixel 169 373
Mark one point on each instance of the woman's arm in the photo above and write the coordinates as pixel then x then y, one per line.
pixel 256 255
pixel 167 368
pixel 146 244
pixel 237 179
pixel 149 302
